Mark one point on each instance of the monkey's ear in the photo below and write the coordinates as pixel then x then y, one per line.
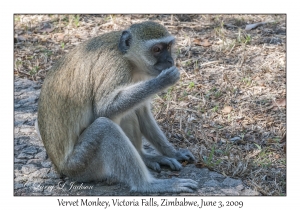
pixel 125 41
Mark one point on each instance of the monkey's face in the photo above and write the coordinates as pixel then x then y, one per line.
pixel 157 55
pixel 162 52
pixel 151 56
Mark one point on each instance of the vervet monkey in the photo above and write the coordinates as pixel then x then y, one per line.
pixel 94 108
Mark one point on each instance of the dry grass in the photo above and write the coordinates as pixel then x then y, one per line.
pixel 229 106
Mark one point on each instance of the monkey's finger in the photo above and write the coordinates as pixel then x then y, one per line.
pixel 184 154
pixel 173 163
pixel 154 166
pixel 171 72
pixel 190 157
pixel 175 73
pixel 181 156
pixel 187 184
pixel 190 182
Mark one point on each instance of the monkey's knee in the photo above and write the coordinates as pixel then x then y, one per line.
pixel 101 124
pixel 85 161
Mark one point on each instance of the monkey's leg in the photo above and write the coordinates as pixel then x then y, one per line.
pixel 105 151
pixel 130 125
pixel 102 151
pixel 155 136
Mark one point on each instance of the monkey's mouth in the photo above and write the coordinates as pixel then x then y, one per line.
pixel 156 71
pixel 160 67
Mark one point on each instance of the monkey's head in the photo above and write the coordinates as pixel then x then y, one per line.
pixel 149 46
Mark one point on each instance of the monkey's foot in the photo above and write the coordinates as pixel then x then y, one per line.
pixel 184 154
pixel 169 185
pixel 154 162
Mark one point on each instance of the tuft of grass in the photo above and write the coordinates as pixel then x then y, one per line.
pixel 215 108
pixel 168 95
pixel 191 85
pixel 243 38
pixel 47 52
pixel 247 80
pixel 34 70
pixel 18 64
pixel 17 18
pixel 62 45
pixel 258 147
pixel 76 20
pixel 247 39
pixel 209 161
pixel 263 159
pixel 218 94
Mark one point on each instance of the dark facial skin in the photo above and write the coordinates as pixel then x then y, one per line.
pixel 162 52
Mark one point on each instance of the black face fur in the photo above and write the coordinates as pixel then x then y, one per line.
pixel 162 53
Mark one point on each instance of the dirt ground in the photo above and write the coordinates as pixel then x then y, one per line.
pixel 229 107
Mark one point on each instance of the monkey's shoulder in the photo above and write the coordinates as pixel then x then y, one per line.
pixel 104 41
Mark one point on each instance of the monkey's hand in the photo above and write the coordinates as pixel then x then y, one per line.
pixel 168 76
pixel 184 154
pixel 154 162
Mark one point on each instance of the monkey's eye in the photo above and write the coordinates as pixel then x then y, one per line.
pixel 156 49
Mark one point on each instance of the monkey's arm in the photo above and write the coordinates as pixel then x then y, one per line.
pixel 127 98
pixel 156 137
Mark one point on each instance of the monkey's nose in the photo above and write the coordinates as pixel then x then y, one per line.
pixel 170 61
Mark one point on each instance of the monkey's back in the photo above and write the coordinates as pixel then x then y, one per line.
pixel 67 98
